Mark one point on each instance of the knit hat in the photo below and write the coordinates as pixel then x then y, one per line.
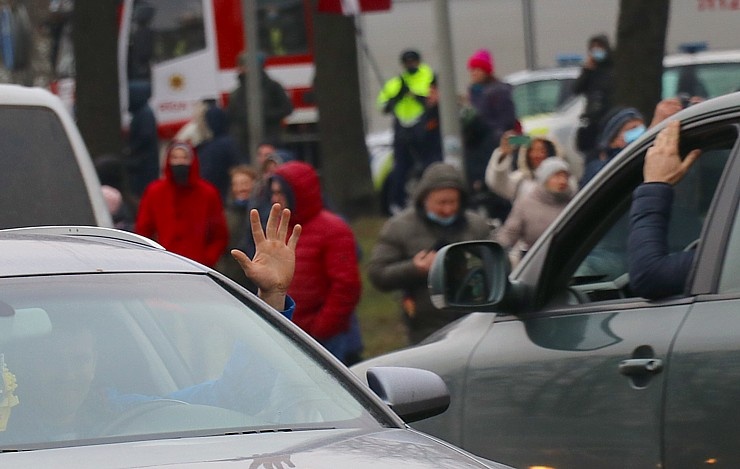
pixel 549 167
pixel 483 60
pixel 614 124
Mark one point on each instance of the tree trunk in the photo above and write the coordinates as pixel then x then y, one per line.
pixel 94 36
pixel 638 60
pixel 345 165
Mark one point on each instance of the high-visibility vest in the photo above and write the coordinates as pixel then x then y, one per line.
pixel 408 110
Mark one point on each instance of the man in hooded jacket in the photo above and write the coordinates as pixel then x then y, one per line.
pixel 408 243
pixel 183 212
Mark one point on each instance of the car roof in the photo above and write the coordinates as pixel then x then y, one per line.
pixel 76 250
pixel 718 56
pixel 558 73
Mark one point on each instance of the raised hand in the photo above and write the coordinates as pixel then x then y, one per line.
pixel 273 264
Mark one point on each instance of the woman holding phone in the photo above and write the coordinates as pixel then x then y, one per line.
pixel 512 179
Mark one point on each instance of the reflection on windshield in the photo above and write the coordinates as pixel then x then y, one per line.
pixel 118 355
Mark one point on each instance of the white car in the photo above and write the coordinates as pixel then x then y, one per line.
pixel 707 73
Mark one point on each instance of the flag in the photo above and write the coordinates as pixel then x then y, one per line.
pixel 353 7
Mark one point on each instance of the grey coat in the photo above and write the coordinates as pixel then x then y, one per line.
pixel 410 231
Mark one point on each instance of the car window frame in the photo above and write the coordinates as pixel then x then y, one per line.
pixel 718 228
pixel 542 274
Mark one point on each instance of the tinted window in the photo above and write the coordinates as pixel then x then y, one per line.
pixel 282 27
pixel 730 280
pixel 40 178
pixel 169 28
pixel 598 254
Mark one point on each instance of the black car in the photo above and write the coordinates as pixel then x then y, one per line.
pixel 563 365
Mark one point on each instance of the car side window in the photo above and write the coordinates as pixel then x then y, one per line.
pixel 729 281
pixel 602 272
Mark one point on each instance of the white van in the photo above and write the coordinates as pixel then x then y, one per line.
pixel 46 174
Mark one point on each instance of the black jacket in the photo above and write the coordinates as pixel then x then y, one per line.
pixel 654 272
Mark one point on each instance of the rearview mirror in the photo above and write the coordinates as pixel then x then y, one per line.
pixel 469 275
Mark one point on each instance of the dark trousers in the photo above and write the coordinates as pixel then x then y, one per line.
pixel 414 148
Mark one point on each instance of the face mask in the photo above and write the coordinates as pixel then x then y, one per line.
pixel 180 173
pixel 633 134
pixel 412 70
pixel 598 54
pixel 444 221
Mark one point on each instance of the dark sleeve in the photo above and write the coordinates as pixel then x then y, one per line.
pixel 654 272
pixel 280 105
pixel 581 84
pixel 500 114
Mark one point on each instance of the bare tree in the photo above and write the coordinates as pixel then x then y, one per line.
pixel 345 166
pixel 638 60
pixel 94 36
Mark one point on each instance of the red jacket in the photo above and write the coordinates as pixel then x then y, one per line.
pixel 326 286
pixel 188 220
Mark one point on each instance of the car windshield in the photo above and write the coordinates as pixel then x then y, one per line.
pixel 124 355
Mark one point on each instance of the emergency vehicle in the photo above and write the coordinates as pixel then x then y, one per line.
pixel 192 46
pixel 191 49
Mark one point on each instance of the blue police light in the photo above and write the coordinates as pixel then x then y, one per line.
pixel 693 47
pixel 566 60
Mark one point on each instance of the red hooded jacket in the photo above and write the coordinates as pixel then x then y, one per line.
pixel 185 219
pixel 326 286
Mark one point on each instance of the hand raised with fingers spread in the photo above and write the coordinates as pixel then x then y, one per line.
pixel 663 162
pixel 273 264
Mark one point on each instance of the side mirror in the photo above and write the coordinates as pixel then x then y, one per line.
pixel 469 275
pixel 414 394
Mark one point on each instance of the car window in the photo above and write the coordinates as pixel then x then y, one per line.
pixel 155 354
pixel 706 80
pixel 598 268
pixel 39 169
pixel 729 281
pixel 543 96
pixel 173 28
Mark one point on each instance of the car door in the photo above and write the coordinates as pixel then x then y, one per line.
pixel 578 380
pixel 702 412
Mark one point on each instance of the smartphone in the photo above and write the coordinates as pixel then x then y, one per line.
pixel 520 140
pixel 685 99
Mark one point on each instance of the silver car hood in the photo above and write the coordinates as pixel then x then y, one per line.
pixel 301 449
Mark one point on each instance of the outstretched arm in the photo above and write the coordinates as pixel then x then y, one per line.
pixel 654 271
pixel 273 264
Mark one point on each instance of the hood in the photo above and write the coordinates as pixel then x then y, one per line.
pixel 194 175
pixel 440 176
pixel 217 120
pixel 305 186
pixel 387 448
pixel 523 162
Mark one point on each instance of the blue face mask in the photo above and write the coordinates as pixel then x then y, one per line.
pixel 444 221
pixel 633 134
pixel 598 54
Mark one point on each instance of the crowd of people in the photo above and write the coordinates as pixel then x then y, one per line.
pixel 510 189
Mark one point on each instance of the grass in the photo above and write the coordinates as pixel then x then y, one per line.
pixel 378 312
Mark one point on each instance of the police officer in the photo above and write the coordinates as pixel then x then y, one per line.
pixel 406 97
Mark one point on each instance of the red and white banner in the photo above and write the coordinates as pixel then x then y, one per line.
pixel 353 7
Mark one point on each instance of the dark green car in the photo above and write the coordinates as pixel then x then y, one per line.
pixel 561 365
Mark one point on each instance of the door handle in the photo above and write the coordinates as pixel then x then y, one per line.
pixel 641 366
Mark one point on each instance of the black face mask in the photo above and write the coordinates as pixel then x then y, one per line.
pixel 180 173
pixel 412 70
